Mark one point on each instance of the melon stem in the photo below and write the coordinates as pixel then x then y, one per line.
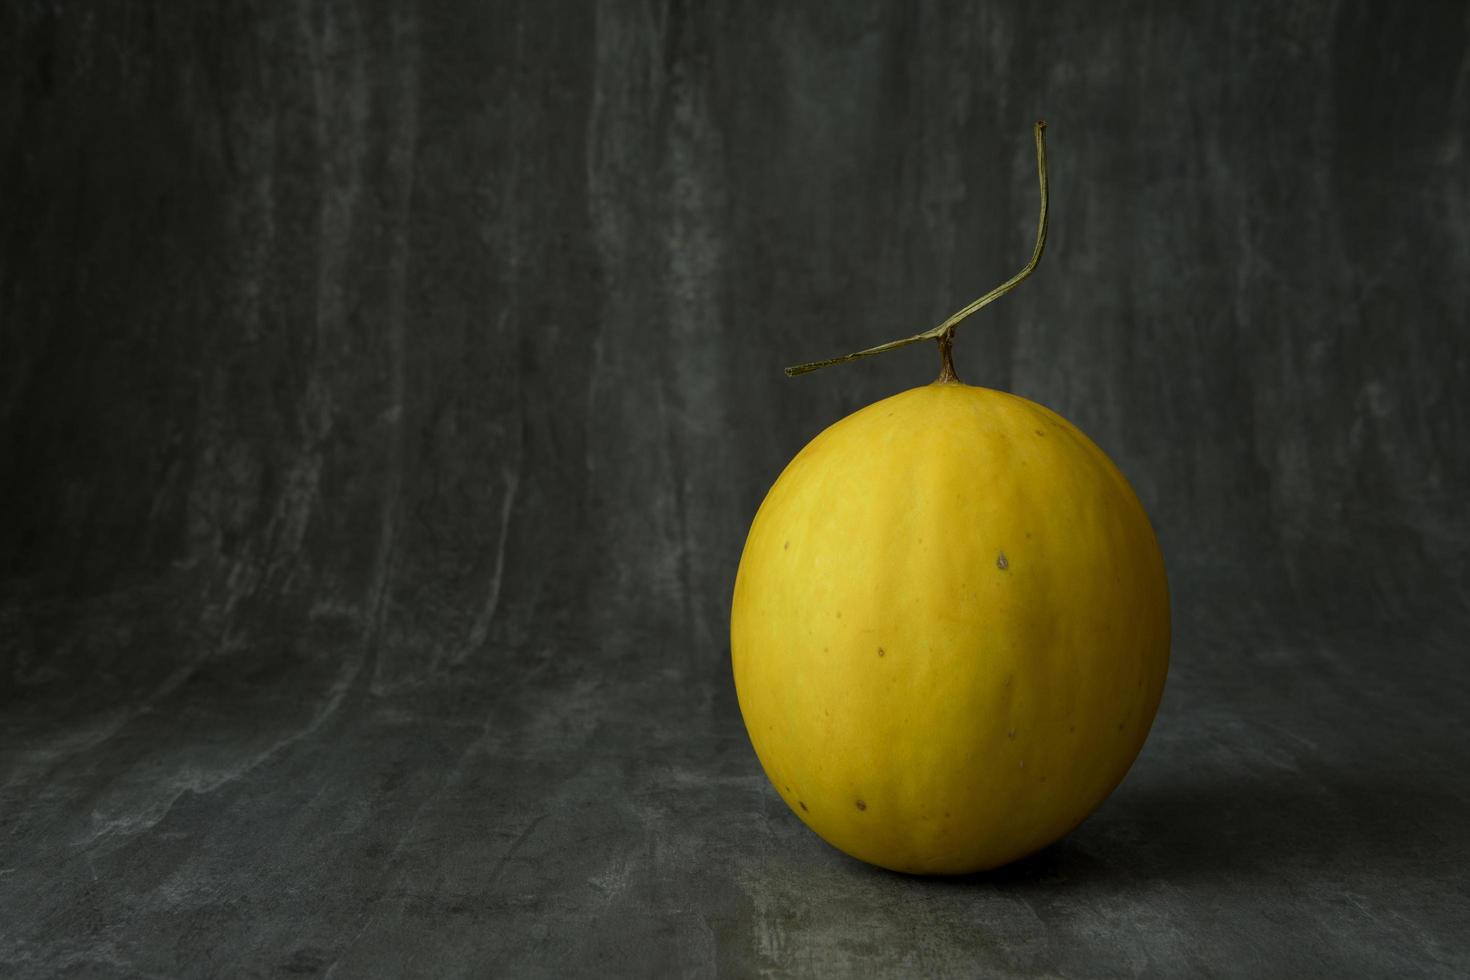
pixel 946 360
pixel 944 333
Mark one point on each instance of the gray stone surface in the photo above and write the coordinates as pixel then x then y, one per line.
pixel 385 391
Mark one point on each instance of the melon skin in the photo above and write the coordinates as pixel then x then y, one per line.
pixel 949 631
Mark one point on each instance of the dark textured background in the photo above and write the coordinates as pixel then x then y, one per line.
pixel 385 392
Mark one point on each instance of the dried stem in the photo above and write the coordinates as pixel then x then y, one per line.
pixel 945 331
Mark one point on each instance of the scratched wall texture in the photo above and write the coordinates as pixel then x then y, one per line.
pixel 385 390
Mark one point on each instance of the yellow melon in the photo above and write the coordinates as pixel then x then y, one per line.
pixel 950 626
pixel 950 630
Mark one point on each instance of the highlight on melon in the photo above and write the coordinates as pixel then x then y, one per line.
pixel 950 624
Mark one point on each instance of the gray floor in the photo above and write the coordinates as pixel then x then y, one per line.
pixel 271 803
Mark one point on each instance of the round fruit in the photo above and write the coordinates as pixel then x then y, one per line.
pixel 950 630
